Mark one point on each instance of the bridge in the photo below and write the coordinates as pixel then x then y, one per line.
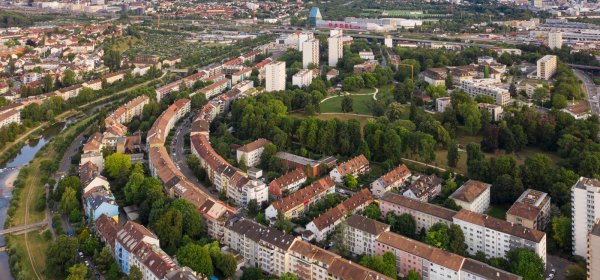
pixel 584 67
pixel 24 228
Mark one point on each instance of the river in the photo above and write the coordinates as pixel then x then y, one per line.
pixel 9 172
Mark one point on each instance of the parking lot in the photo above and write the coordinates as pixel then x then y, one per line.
pixel 559 265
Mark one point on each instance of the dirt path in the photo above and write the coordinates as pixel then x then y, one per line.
pixel 33 264
pixel 352 94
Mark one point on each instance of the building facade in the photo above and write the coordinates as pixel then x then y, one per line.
pixel 275 76
pixel 585 209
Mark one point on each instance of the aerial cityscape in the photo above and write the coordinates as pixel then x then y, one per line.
pixel 300 140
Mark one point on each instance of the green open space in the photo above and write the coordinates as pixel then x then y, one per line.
pixel 31 247
pixel 341 116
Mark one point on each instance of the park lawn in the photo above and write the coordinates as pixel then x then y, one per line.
pixel 37 247
pixel 30 191
pixel 498 211
pixel 361 105
pixel 441 160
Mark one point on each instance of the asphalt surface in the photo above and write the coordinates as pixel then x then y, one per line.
pixel 591 91
pixel 65 162
pixel 179 156
pixel 558 264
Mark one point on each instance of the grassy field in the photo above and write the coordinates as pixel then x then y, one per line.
pixel 37 250
pixel 32 245
pixel 362 103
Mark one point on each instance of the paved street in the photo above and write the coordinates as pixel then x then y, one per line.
pixel 590 89
pixel 557 263
pixel 179 155
pixel 65 162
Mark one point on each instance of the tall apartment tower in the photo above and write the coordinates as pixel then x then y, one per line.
pixel 310 52
pixel 303 37
pixel 275 76
pixel 335 50
pixel 593 254
pixel 585 209
pixel 546 67
pixel 555 40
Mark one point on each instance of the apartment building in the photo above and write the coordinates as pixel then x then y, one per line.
pixel 425 188
pixel 546 67
pixel 303 78
pixel 366 55
pixel 252 151
pixel 473 195
pixel 215 88
pixel 326 223
pixel 361 233
pixel 395 178
pixel 585 209
pixel 288 183
pixel 129 241
pixel 531 210
pixel 135 107
pixel 355 167
pixel 496 237
pixel 295 204
pixel 434 263
pixel 443 103
pixel 486 87
pixel 434 76
pixel 260 246
pixel 593 253
pixel 275 76
pixel 10 117
pixel 335 46
pixel 302 38
pixel 310 53
pixel 99 200
pixel 164 123
pixel 555 40
pixel 310 262
pixel 425 214
pixel 495 110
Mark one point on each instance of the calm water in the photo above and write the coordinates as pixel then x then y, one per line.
pixel 11 168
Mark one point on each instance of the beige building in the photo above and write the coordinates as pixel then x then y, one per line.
pixel 555 40
pixel 361 233
pixel 593 253
pixel 303 78
pixel 486 87
pixel 495 110
pixel 252 151
pixel 10 116
pixel 531 210
pixel 473 195
pixel 310 53
pixel 275 76
pixel 546 67
pixel 425 214
pixel 335 50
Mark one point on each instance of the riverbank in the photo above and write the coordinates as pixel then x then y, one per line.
pixel 27 251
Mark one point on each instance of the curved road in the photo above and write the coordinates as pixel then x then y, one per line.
pixel 590 90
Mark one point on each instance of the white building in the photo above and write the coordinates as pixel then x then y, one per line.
pixel 310 53
pixel 388 41
pixel 442 103
pixel 555 40
pixel 303 78
pixel 361 234
pixel 585 209
pixel 546 67
pixel 495 110
pixel 275 76
pixel 391 180
pixel 303 37
pixel 486 87
pixel 10 116
pixel 260 246
pixel 366 55
pixel 252 151
pixel 254 190
pixel 496 237
pixel 335 46
pixel 473 195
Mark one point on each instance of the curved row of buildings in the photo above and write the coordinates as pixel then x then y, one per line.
pixel 176 184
